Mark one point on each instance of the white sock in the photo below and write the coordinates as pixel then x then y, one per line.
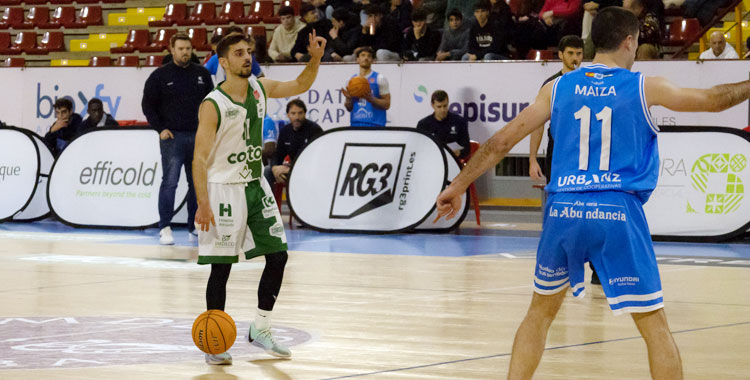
pixel 262 319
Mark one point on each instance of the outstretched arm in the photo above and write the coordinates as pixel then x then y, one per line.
pixel 277 89
pixel 205 138
pixel 661 92
pixel 494 149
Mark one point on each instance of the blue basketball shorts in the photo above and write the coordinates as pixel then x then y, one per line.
pixel 609 229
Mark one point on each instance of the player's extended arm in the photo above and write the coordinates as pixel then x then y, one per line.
pixel 535 171
pixel 277 89
pixel 662 92
pixel 205 137
pixel 494 149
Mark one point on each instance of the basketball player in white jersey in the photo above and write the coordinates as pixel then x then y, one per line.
pixel 236 208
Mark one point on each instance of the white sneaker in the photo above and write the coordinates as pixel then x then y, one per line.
pixel 165 236
pixel 220 359
pixel 264 339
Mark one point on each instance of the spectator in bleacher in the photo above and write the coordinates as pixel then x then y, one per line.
pixel 171 97
pixel 590 9
pixel 214 41
pixel 285 35
pixel 562 17
pixel 369 110
pixel 293 137
pixel 399 13
pixel 213 66
pixel 421 42
pixel 465 6
pixel 97 117
pixel 486 41
pixel 67 126
pixel 383 37
pixel 343 35
pixel 455 40
pixel 501 14
pixel 310 16
pixel 320 7
pixel 446 127
pixel 649 16
pixel 531 32
pixel 719 49
pixel 435 13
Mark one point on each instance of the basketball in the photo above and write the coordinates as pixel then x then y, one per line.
pixel 214 332
pixel 358 86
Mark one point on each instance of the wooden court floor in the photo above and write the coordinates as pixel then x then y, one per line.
pixel 85 309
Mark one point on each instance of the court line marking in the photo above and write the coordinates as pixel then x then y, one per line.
pixel 508 354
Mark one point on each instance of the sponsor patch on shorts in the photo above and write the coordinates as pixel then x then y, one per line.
pixel 269 212
pixel 277 230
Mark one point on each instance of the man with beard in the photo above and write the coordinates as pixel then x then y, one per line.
pixel 292 138
pixel 230 186
pixel 171 97
pixel 368 110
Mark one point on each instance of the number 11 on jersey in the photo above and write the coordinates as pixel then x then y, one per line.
pixel 605 116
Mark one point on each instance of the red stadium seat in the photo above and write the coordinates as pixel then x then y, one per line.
pixel 34 2
pixel 296 4
pixel 173 13
pixel 160 42
pixel 37 17
pixel 231 11
pixel 10 2
pixel 540 55
pixel 25 42
pixel 12 18
pixel 112 1
pixel 219 31
pixel 89 15
pixel 136 40
pixel 4 40
pixel 128 61
pixel 259 10
pixel 154 60
pixel 63 16
pixel 63 2
pixel 14 62
pixel 202 13
pixel 257 32
pixel 104 61
pixel 52 41
pixel 199 39
pixel 682 30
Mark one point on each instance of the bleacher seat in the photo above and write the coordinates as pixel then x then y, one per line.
pixel 257 32
pixel 10 2
pixel 37 17
pixel 160 41
pixel 231 11
pixel 112 1
pixel 34 2
pixel 202 13
pixel 540 55
pixel 100 61
pixel 12 18
pixel 69 62
pixel 259 10
pixel 154 60
pixel 173 13
pixel 62 16
pixel 14 62
pixel 296 4
pixel 683 30
pixel 128 61
pixel 88 16
pixel 137 39
pixel 99 42
pixel 4 40
pixel 24 43
pixel 53 41
pixel 199 39
pixel 65 2
pixel 219 31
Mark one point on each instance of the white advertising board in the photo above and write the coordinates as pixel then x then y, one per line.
pixel 19 170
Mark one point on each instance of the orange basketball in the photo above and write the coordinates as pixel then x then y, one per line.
pixel 358 86
pixel 214 332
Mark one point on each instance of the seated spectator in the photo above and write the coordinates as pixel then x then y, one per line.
pixel 292 139
pixel 465 6
pixel 285 35
pixel 421 41
pixel 321 27
pixel 486 42
pixel 435 13
pixel 67 126
pixel 320 7
pixel 97 117
pixel 719 48
pixel 562 17
pixel 270 137
pixel 383 37
pixel 501 14
pixel 649 13
pixel 343 35
pixel 213 66
pixel 591 8
pixel 455 40
pixel 399 13
pixel 446 127
pixel 531 32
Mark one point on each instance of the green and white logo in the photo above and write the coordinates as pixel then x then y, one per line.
pixel 716 175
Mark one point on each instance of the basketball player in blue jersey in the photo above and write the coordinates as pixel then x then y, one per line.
pixel 369 110
pixel 604 168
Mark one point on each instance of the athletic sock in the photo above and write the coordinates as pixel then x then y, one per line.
pixel 262 319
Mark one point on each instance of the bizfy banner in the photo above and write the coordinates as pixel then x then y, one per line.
pixel 19 170
pixel 367 180
pixel 38 208
pixel 702 185
pixel 488 94
pixel 109 178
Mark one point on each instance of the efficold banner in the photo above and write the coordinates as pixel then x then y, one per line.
pixel 109 178
pixel 444 225
pixel 19 170
pixel 703 178
pixel 38 208
pixel 367 180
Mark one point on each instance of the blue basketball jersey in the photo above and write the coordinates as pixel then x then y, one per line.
pixel 364 113
pixel 604 136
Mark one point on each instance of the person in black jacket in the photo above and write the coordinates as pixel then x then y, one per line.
pixel 310 16
pixel 292 139
pixel 486 40
pixel 343 34
pixel 97 117
pixel 67 126
pixel 171 97
pixel 421 42
pixel 446 127
pixel 383 37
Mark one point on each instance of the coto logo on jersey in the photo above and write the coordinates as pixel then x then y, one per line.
pixel 253 153
pixel 366 179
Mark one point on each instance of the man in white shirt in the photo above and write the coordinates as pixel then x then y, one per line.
pixel 719 48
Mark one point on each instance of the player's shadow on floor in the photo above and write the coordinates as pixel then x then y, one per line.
pixel 217 373
pixel 268 366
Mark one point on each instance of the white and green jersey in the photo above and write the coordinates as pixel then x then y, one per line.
pixel 237 152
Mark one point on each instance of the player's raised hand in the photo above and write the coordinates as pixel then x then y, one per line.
pixel 316 46
pixel 448 202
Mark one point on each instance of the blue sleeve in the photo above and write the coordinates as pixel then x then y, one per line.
pixel 256 68
pixel 213 64
pixel 270 134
